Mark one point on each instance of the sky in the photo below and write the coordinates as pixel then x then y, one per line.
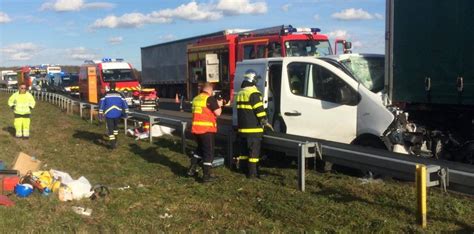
pixel 67 32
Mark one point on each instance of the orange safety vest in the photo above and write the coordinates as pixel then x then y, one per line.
pixel 204 120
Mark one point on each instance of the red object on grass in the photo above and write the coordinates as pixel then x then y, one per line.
pixel 10 182
pixel 5 201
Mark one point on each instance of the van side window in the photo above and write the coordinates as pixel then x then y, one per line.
pixel 298 78
pixel 329 87
pixel 249 52
pixel 311 80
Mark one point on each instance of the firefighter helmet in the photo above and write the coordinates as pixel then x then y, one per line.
pixel 251 76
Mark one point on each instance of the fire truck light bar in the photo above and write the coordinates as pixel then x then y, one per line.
pixel 290 29
pixel 105 60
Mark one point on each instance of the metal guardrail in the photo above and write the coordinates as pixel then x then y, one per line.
pixel 450 175
pixel 301 149
pixel 164 121
pixel 67 103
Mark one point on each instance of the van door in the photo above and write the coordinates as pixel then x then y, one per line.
pixel 319 101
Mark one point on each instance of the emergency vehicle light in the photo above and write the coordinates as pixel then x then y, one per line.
pixel 106 60
pixel 119 59
pixel 291 29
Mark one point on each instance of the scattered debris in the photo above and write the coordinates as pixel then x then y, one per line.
pixel 82 210
pixel 5 201
pixel 166 216
pixel 124 188
pixel 25 163
pixel 370 181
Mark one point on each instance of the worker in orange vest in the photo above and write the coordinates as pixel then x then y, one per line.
pixel 206 108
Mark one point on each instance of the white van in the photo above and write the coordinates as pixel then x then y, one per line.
pixel 311 97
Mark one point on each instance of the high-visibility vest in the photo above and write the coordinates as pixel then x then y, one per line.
pixel 204 120
pixel 249 112
pixel 23 103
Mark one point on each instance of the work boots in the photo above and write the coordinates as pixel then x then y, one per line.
pixel 207 177
pixel 243 165
pixel 252 171
pixel 193 169
pixel 113 144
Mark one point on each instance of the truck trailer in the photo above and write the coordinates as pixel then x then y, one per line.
pixel 430 77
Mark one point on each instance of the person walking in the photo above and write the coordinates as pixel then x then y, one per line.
pixel 113 106
pixel 251 120
pixel 22 102
pixel 206 108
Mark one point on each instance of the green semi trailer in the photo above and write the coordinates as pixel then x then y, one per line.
pixel 430 75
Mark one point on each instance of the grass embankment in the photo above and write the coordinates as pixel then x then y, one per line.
pixel 155 173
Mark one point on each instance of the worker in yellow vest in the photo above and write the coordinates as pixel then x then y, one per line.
pixel 22 102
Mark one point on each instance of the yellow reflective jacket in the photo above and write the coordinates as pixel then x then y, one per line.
pixel 23 103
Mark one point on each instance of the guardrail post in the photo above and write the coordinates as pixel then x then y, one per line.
pixel 91 113
pixel 150 132
pixel 421 194
pixel 301 166
pixel 183 136
pixel 125 124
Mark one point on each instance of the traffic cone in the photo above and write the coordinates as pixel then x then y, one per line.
pixel 176 99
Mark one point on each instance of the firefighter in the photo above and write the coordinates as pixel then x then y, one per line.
pixel 113 106
pixel 252 119
pixel 22 102
pixel 206 108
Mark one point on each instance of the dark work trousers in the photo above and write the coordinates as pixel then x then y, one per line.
pixel 112 127
pixel 205 148
pixel 250 147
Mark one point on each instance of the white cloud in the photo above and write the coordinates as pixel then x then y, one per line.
pixel 167 37
pixel 115 40
pixel 191 11
pixel 80 53
pixel 339 34
pixel 20 51
pixel 378 16
pixel 74 5
pixel 4 18
pixel 352 14
pixel 286 7
pixel 98 5
pixel 236 7
pixel 357 44
pixel 129 20
pixel 316 17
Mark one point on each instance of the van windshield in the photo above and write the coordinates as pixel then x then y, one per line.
pixel 10 77
pixel 369 71
pixel 118 75
pixel 307 48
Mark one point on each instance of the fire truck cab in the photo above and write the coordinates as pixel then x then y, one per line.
pixel 214 59
pixel 95 77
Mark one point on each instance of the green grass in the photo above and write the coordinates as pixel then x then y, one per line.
pixel 155 172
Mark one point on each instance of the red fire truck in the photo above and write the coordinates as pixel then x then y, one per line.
pixel 95 77
pixel 23 75
pixel 213 59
